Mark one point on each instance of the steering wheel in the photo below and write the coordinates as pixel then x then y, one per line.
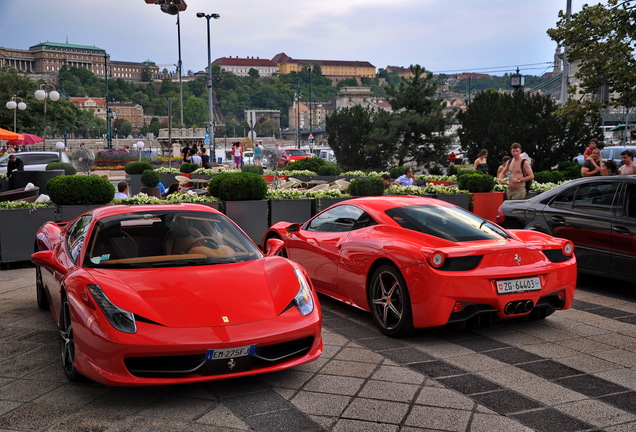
pixel 206 241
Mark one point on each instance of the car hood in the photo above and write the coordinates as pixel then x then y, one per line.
pixel 199 296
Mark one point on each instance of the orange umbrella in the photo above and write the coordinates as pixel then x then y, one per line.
pixel 8 135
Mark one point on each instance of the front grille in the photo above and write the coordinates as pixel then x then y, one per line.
pixel 196 365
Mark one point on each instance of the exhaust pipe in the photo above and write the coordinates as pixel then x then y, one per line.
pixel 517 307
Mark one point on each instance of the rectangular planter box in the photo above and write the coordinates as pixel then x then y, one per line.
pixel 298 210
pixel 66 213
pixel 320 204
pixel 17 231
pixel 134 183
pixel 251 216
pixel 486 204
pixel 462 200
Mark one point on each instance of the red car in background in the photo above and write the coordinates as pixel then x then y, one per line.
pixel 417 262
pixel 171 293
pixel 289 155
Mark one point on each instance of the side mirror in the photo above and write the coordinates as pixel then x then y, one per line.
pixel 295 227
pixel 274 246
pixel 47 260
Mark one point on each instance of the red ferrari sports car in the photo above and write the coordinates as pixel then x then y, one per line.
pixel 166 294
pixel 420 262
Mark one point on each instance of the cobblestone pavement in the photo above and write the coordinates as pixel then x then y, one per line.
pixel 575 371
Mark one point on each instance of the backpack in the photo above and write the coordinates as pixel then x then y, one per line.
pixel 529 182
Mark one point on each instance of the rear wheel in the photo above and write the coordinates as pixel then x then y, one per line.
pixel 42 300
pixel 67 343
pixel 390 302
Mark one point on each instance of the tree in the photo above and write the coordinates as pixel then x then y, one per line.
pixel 602 39
pixel 417 120
pixel 347 130
pixel 254 73
pixel 494 121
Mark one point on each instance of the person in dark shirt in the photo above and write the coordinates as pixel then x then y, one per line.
pixel 15 164
pixel 186 152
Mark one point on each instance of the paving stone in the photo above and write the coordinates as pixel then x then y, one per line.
pixel 590 385
pixel 551 420
pixel 397 392
pixel 284 421
pixel 470 384
pixel 335 385
pixel 347 425
pixel 437 369
pixel 481 344
pixel 381 411
pixel 349 368
pixel 445 398
pixel 323 404
pixel 549 369
pixel 221 416
pixel 438 419
pixel 596 413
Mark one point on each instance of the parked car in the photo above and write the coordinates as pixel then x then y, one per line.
pixel 610 152
pixel 289 155
pixel 598 214
pixel 418 262
pixel 34 160
pixel 174 293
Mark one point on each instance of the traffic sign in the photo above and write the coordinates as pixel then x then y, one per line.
pixel 206 135
pixel 206 141
pixel 311 137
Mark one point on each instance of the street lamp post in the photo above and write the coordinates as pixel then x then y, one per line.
pixel 13 105
pixel 311 132
pixel 209 86
pixel 46 91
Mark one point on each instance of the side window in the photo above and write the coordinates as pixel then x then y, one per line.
pixel 596 198
pixel 630 205
pixel 76 235
pixel 339 219
pixel 564 199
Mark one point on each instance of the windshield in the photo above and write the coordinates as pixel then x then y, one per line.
pixel 167 239
pixel 446 222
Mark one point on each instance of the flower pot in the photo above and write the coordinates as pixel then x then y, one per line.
pixel 289 210
pixel 250 215
pixel 462 200
pixel 18 231
pixel 151 191
pixel 66 213
pixel 486 204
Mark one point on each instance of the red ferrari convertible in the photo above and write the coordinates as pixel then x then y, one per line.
pixel 420 262
pixel 165 294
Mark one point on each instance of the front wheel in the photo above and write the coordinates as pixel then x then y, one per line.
pixel 67 343
pixel 389 302
pixel 41 298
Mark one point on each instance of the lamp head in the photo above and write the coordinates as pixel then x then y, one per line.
pixel 215 16
pixel 59 145
pixel 200 15
pixel 54 96
pixel 169 8
pixel 11 105
pixel 40 95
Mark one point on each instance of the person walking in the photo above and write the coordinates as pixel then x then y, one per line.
pixel 205 158
pixel 520 172
pixel 258 153
pixel 481 163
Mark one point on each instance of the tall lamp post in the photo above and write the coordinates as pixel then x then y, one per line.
pixel 13 105
pixel 311 131
pixel 209 86
pixel 46 91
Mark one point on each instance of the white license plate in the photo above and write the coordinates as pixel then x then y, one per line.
pixel 222 353
pixel 518 285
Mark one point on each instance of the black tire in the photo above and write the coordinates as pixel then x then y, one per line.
pixel 42 299
pixel 67 344
pixel 390 302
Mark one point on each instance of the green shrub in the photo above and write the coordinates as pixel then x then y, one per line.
pixel 436 170
pixel 549 177
pixel 188 167
pixel 80 190
pixel 570 169
pixel 475 182
pixel 452 170
pixel 366 186
pixel 238 186
pixel 397 171
pixel 253 169
pixel 309 164
pixel 68 168
pixel 329 169
pixel 150 178
pixel 136 167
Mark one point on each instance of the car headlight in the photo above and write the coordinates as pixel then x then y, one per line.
pixel 303 300
pixel 119 318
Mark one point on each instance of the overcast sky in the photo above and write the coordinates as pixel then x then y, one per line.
pixel 489 36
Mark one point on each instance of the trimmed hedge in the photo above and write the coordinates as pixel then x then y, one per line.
pixel 475 182
pixel 188 167
pixel 136 167
pixel 397 171
pixel 80 190
pixel 309 164
pixel 238 186
pixel 549 176
pixel 329 169
pixel 68 168
pixel 366 186
pixel 150 178
pixel 253 169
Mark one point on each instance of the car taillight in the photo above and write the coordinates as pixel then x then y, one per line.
pixel 436 259
pixel 568 248
pixel 500 215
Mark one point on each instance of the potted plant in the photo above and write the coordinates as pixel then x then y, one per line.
pixel 133 171
pixel 366 186
pixel 76 194
pixel 485 201
pixel 150 180
pixel 243 196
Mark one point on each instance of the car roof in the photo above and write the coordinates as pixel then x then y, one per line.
pixel 383 203
pixel 113 210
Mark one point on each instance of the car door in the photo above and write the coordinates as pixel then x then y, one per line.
pixel 584 214
pixel 317 245
pixel 623 255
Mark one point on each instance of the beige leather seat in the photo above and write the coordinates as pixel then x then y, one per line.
pixel 180 240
